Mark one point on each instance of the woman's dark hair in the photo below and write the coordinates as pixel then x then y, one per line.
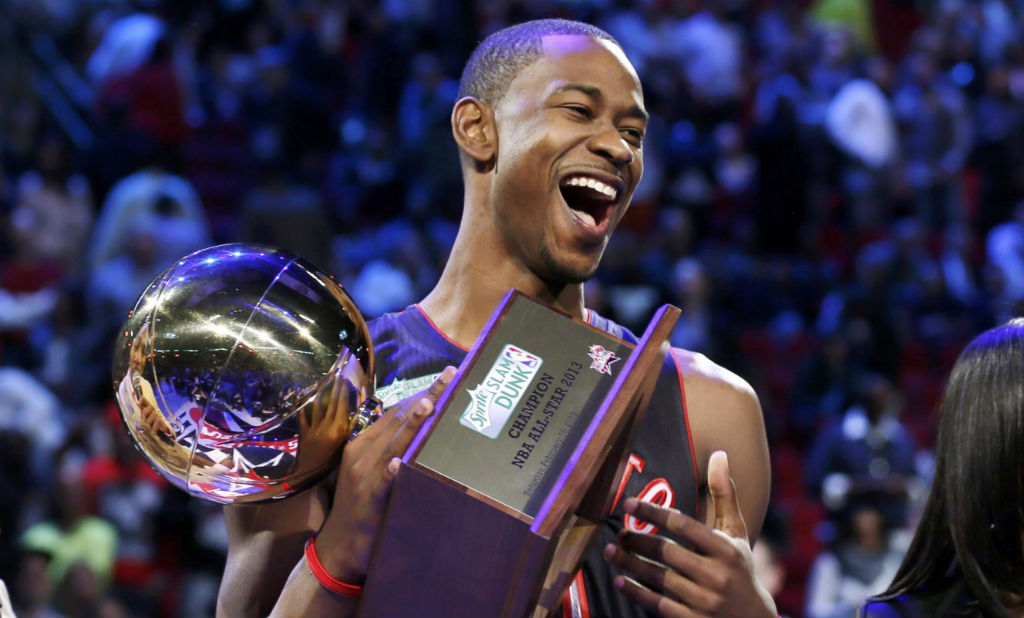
pixel 973 522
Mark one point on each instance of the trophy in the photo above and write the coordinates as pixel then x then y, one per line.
pixel 501 492
pixel 242 372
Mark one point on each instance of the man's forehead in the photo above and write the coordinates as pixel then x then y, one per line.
pixel 568 58
pixel 559 46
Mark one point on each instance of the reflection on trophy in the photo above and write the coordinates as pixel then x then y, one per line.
pixel 242 372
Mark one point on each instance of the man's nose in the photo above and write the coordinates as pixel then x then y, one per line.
pixel 610 144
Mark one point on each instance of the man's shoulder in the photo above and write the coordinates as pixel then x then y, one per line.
pixel 409 352
pixel 393 328
pixel 701 375
pixel 387 321
pixel 722 409
pixel 706 378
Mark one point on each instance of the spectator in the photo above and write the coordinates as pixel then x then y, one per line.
pixel 80 595
pixel 31 412
pixel 712 53
pixel 999 149
pixel 1005 248
pixel 280 212
pixel 424 126
pixel 866 454
pixel 153 193
pixel 862 308
pixel 18 493
pixel 957 263
pixel 123 489
pixel 151 96
pixel 853 15
pixel 935 135
pixel 72 535
pixel 862 563
pixel 694 330
pixel 52 215
pixel 126 45
pixel 32 589
pixel 824 385
pixel 768 564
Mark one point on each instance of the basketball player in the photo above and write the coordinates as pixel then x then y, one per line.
pixel 550 127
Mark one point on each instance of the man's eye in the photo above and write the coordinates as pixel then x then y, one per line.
pixel 634 134
pixel 579 110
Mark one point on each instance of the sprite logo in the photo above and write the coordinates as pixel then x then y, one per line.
pixel 402 389
pixel 494 399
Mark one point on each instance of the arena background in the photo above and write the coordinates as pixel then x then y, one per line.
pixel 832 194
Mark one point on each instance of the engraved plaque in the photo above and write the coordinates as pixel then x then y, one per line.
pixel 498 496
pixel 523 405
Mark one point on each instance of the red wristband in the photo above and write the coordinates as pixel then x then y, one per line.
pixel 326 579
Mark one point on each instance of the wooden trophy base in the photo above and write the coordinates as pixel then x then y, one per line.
pixel 471 529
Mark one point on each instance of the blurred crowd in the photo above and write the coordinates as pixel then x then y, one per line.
pixel 833 194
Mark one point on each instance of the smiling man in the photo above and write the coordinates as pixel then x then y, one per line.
pixel 550 126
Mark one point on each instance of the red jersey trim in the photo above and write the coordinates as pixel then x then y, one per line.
pixel 574 601
pixel 438 330
pixel 686 418
pixel 581 588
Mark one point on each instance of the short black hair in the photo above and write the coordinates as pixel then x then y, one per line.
pixel 502 55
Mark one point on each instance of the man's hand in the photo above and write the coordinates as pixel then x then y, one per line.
pixel 708 572
pixel 154 422
pixel 368 466
pixel 345 542
pixel 326 419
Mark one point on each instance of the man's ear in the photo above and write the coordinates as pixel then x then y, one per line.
pixel 475 132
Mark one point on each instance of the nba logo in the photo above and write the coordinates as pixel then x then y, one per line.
pixel 522 357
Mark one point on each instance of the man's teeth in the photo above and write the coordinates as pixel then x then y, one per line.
pixel 594 184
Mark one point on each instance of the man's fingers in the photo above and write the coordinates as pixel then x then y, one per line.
pixel 404 408
pixel 656 603
pixel 441 383
pixel 674 577
pixel 420 406
pixel 391 435
pixel 399 442
pixel 664 551
pixel 728 517
pixel 650 573
pixel 387 474
pixel 681 527
pixel 402 429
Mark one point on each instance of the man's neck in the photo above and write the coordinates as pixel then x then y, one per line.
pixel 475 280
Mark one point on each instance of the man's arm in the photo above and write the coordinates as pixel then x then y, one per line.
pixel 264 543
pixel 344 544
pixel 725 415
pixel 706 569
pixel 266 571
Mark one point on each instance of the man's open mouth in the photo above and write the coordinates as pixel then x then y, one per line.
pixel 590 200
